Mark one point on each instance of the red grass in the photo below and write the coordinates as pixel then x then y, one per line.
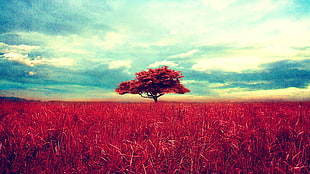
pixel 46 137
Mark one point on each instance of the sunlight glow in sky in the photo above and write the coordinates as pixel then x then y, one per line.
pixel 226 49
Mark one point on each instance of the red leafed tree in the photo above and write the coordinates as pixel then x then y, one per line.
pixel 154 83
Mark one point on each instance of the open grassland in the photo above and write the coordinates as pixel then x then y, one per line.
pixel 63 137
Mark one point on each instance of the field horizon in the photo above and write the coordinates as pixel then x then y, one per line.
pixel 12 98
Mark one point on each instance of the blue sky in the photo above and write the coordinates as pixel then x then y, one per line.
pixel 226 49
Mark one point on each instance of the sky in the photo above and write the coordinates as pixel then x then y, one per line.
pixel 226 49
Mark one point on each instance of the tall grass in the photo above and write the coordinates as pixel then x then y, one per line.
pixel 47 137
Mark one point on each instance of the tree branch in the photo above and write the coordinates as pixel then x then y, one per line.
pixel 160 95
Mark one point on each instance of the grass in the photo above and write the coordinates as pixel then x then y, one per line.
pixel 81 137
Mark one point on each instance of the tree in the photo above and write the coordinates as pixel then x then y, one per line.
pixel 154 83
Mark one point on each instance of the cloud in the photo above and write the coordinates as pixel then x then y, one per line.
pixel 274 75
pixel 23 59
pixel 51 17
pixel 229 64
pixel 113 39
pixel 219 45
pixel 116 64
pixel 219 4
pixel 65 62
pixel 21 48
pixel 31 56
pixel 19 54
pixel 184 55
pixel 163 63
pixel 31 73
pixel 26 60
pixel 272 94
pixel 67 92
pixel 96 75
pixel 206 91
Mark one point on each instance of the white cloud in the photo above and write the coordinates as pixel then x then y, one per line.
pixel 19 53
pixel 163 63
pixel 70 44
pixel 184 55
pixel 113 39
pixel 291 93
pixel 23 48
pixel 165 41
pixel 218 4
pixel 24 59
pixel 193 81
pixel 61 62
pixel 289 32
pixel 243 94
pixel 20 49
pixel 120 64
pixel 282 33
pixel 230 64
pixel 31 73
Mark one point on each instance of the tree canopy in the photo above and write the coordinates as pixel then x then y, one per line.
pixel 154 83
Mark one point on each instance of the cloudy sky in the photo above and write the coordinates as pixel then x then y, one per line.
pixel 226 49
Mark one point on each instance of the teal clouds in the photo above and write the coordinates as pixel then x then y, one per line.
pixel 82 49
pixel 52 17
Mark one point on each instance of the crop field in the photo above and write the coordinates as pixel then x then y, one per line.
pixel 107 137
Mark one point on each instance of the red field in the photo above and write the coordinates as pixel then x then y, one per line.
pixel 52 137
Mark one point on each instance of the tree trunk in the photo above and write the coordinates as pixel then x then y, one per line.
pixel 155 98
